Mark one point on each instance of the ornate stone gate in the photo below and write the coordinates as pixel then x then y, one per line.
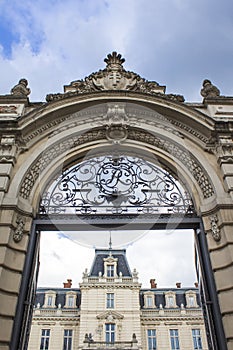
pixel 112 113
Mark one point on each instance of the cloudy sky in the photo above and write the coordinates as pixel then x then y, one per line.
pixel 177 43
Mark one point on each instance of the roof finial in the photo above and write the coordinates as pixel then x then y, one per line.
pixel 110 241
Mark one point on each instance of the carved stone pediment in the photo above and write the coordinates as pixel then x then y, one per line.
pixel 110 316
pixel 113 77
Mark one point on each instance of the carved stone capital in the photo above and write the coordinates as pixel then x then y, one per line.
pixel 215 231
pixel 18 233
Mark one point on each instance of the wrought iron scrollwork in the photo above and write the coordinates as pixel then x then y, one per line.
pixel 123 184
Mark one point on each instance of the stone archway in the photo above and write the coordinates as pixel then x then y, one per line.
pixel 113 108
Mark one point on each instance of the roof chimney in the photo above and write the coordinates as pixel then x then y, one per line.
pixel 178 285
pixel 153 284
pixel 67 284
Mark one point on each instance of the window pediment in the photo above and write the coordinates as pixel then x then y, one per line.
pixel 110 316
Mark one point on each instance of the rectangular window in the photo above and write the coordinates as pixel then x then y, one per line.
pixel 110 333
pixel 50 300
pixel 110 270
pixel 44 342
pixel 191 301
pixel 170 301
pixel 174 338
pixel 70 301
pixel 110 300
pixel 151 339
pixel 67 344
pixel 149 301
pixel 197 343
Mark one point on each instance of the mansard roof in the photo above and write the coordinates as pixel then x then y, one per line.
pixel 60 295
pixel 120 255
pixel 159 295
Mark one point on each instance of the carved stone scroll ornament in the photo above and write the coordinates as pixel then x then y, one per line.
pixel 113 77
pixel 215 231
pixel 18 234
pixel 21 89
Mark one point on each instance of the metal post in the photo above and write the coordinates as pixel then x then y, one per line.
pixel 210 293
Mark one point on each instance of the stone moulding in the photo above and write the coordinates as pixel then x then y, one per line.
pixel 44 160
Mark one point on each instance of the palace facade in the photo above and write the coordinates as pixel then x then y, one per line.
pixel 110 310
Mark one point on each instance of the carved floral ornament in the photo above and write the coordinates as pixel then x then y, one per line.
pixel 215 231
pixel 18 233
pixel 113 78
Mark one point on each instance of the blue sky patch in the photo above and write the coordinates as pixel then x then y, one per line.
pixel 7 38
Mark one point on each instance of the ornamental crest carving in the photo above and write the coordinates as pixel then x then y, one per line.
pixel 113 78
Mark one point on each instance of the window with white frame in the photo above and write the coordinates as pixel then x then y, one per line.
pixel 110 332
pixel 197 342
pixel 50 298
pixel 151 339
pixel 149 300
pixel 70 301
pixel 191 300
pixel 110 300
pixel 174 339
pixel 170 298
pixel 67 341
pixel 71 297
pixel 44 341
pixel 110 270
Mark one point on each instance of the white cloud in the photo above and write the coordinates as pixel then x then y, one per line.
pixel 175 43
pixel 166 256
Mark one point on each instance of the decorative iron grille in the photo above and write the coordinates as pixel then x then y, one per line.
pixel 115 185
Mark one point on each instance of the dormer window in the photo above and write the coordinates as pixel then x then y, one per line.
pixel 110 270
pixel 149 300
pixel 110 266
pixel 50 297
pixel 170 298
pixel 191 300
pixel 170 301
pixel 70 299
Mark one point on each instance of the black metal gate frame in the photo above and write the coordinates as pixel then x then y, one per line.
pixel 215 331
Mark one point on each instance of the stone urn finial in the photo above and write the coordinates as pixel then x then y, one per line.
pixel 209 90
pixel 21 88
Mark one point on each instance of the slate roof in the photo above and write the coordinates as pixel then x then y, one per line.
pixel 60 295
pixel 122 263
pixel 160 295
